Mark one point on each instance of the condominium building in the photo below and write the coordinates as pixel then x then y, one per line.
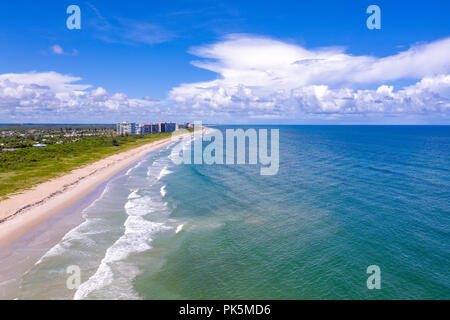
pixel 126 128
pixel 156 127
pixel 168 127
pixel 144 128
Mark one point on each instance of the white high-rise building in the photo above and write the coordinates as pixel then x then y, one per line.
pixel 126 128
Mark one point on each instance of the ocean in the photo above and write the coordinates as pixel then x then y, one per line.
pixel 344 198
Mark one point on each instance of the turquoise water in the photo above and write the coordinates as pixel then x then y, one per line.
pixel 345 197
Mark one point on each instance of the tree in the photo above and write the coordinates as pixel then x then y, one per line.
pixel 114 142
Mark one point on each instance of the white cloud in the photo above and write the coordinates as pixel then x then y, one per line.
pixel 51 96
pixel 53 81
pixel 258 79
pixel 56 49
pixel 263 78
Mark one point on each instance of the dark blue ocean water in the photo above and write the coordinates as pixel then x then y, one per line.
pixel 345 197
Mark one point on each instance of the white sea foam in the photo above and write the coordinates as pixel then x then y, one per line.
pixel 101 278
pixel 133 195
pixel 164 172
pixel 104 192
pixel 138 205
pixel 135 167
pixel 179 228
pixel 163 191
pixel 79 233
pixel 136 238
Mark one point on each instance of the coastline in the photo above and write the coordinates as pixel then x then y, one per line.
pixel 23 211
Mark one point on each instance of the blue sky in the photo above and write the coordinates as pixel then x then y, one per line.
pixel 257 62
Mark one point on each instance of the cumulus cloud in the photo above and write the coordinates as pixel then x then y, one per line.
pixel 260 77
pixel 51 96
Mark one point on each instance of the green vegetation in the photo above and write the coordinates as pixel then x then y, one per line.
pixel 13 137
pixel 27 166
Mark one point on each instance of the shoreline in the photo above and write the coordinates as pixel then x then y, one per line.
pixel 24 211
pixel 22 254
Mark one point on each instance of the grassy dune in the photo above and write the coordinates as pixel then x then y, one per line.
pixel 26 167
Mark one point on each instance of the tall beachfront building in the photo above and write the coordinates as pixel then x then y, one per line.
pixel 126 128
pixel 168 127
pixel 144 128
pixel 156 127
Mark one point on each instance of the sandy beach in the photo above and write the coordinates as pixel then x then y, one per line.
pixel 23 211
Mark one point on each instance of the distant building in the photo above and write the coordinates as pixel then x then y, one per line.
pixel 156 127
pixel 168 127
pixel 126 128
pixel 144 128
pixel 39 145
